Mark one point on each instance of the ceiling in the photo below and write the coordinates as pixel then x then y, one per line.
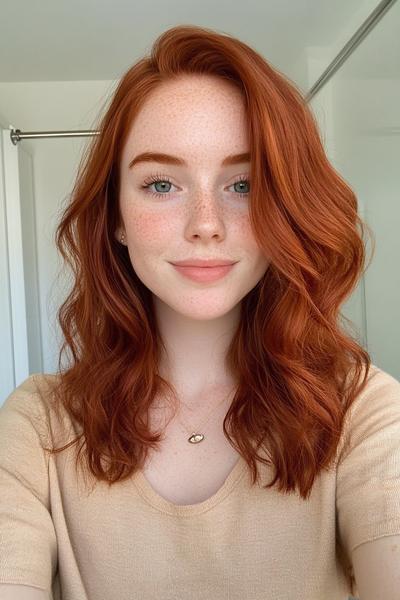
pixel 74 40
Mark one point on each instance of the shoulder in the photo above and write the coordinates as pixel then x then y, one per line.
pixel 28 541
pixel 368 472
pixel 375 409
pixel 29 404
pixel 35 390
pixel 377 381
pixel 381 392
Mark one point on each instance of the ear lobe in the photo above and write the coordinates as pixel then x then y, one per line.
pixel 120 236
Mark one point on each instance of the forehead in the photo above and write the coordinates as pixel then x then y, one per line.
pixel 195 117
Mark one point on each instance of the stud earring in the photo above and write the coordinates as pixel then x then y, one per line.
pixel 122 238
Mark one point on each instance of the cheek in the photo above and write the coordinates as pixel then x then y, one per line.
pixel 147 231
pixel 244 232
pixel 250 245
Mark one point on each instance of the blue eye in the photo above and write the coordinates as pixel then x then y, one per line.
pixel 155 179
pixel 242 180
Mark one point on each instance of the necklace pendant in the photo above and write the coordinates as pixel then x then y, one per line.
pixel 195 438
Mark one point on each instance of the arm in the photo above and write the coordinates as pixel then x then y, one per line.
pixel 377 568
pixel 15 591
pixel 28 542
pixel 368 489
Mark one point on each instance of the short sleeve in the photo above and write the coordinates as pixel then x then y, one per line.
pixel 368 472
pixel 28 545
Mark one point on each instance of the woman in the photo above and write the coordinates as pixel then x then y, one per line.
pixel 212 404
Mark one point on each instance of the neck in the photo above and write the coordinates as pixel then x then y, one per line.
pixel 194 361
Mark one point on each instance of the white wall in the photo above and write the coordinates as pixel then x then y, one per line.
pixel 50 106
pixel 360 117
pixel 21 348
pixel 7 378
pixel 368 152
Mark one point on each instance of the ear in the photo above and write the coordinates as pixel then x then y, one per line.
pixel 118 233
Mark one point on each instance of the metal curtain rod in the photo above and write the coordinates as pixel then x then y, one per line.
pixel 16 134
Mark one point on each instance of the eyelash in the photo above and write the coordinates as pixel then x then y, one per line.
pixel 157 178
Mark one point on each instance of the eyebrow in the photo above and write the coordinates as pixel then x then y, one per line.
pixel 160 157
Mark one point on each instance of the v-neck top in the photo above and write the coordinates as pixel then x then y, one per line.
pixel 95 542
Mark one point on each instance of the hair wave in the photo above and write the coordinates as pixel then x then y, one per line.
pixel 291 353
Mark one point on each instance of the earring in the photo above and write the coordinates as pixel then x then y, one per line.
pixel 122 238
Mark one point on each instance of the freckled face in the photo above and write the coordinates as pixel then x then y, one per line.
pixel 200 210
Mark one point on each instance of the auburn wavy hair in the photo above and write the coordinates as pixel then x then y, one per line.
pixel 298 368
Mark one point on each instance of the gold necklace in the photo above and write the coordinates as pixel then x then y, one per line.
pixel 194 437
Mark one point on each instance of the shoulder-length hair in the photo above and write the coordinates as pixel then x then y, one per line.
pixel 291 354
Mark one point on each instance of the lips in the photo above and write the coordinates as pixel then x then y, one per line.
pixel 203 263
pixel 204 274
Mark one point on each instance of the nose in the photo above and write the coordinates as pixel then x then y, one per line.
pixel 206 219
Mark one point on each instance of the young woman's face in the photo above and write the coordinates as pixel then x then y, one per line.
pixel 199 210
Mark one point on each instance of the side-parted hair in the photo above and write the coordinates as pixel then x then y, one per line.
pixel 299 369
